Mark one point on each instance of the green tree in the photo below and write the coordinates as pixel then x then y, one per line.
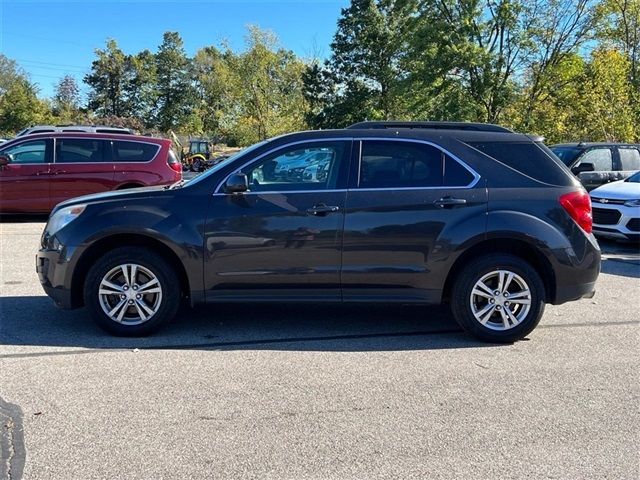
pixel 474 45
pixel 254 94
pixel 362 79
pixel 139 90
pixel 20 107
pixel 175 90
pixel 107 81
pixel 609 113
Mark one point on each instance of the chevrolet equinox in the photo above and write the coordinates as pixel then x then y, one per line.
pixel 475 215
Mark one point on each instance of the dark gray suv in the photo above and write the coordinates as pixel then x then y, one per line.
pixel 487 220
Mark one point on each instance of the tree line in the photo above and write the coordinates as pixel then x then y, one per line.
pixel 564 69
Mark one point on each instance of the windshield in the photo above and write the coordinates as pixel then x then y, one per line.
pixel 224 163
pixel 566 154
pixel 635 178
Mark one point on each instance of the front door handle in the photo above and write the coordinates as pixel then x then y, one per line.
pixel 58 172
pixel 449 202
pixel 322 209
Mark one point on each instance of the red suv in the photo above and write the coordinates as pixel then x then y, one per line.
pixel 39 171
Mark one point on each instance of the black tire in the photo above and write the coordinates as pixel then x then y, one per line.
pixel 166 307
pixel 461 299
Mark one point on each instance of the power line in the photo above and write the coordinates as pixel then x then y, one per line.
pixel 49 63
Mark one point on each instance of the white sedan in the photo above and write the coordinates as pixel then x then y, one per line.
pixel 616 209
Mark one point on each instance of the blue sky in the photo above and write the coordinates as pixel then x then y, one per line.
pixel 52 38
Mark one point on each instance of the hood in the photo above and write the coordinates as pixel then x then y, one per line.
pixel 619 190
pixel 114 195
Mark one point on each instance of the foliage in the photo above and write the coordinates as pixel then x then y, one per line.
pixel 565 69
pixel 175 92
pixel 107 81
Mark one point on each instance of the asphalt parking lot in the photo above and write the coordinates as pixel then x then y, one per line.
pixel 317 392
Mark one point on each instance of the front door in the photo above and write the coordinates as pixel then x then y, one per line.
pixel 603 171
pixel 404 204
pixel 282 238
pixel 24 182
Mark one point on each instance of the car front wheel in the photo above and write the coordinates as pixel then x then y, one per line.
pixel 498 298
pixel 131 292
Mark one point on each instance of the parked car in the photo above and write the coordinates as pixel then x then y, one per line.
pixel 616 209
pixel 41 170
pixel 598 163
pixel 74 128
pixel 490 222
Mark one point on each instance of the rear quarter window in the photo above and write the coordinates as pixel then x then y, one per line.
pixel 134 151
pixel 527 158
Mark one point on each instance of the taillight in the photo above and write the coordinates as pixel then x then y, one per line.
pixel 578 206
pixel 173 162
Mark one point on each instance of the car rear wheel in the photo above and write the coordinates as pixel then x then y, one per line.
pixel 131 292
pixel 498 298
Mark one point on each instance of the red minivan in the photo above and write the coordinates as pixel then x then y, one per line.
pixel 39 171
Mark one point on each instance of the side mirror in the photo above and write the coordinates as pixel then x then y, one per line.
pixel 583 167
pixel 4 161
pixel 236 183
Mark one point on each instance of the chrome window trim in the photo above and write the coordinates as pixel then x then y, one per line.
pixel 110 140
pixel 360 140
pixel 299 142
pixel 473 183
pixel 284 192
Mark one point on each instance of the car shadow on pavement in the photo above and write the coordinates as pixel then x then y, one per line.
pixel 34 321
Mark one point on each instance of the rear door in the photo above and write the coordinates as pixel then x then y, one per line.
pixel 403 199
pixel 24 182
pixel 81 166
pixel 629 160
pixel 133 162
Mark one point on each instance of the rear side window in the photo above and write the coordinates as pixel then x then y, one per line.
pixel 75 150
pixel 400 164
pixel 134 151
pixel 629 158
pixel 455 175
pixel 525 157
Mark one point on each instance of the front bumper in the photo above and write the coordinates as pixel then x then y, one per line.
pixel 52 267
pixel 625 227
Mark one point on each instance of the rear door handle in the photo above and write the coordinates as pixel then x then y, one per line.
pixel 449 202
pixel 58 172
pixel 322 209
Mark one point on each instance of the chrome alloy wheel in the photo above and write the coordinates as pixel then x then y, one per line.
pixel 500 300
pixel 130 294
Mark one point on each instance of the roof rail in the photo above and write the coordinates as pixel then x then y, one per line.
pixel 478 127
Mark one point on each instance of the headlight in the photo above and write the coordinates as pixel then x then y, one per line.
pixel 63 217
pixel 632 203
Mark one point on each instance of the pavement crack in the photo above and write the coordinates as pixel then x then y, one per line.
pixel 12 450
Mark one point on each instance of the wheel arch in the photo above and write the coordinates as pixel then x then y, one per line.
pixel 503 245
pixel 98 248
pixel 124 186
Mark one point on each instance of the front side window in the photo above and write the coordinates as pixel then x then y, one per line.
pixel 629 158
pixel 80 150
pixel 314 166
pixel 134 151
pixel 27 152
pixel 601 159
pixel 392 164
